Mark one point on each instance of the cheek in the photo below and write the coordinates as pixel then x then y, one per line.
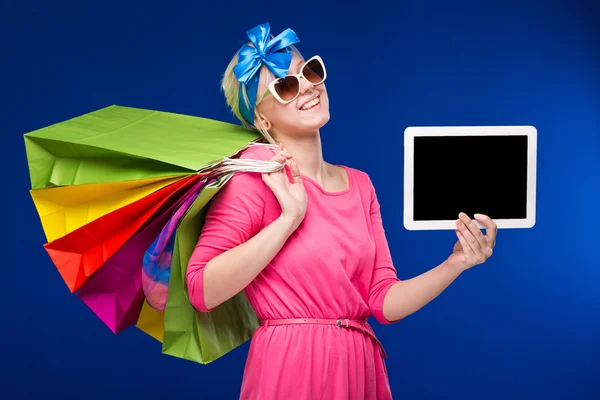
pixel 326 102
pixel 281 114
pixel 324 95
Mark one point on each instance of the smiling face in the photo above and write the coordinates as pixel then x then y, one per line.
pixel 304 115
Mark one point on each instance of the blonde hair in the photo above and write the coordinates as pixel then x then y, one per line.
pixel 231 86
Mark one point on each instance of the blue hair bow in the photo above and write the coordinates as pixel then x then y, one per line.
pixel 266 52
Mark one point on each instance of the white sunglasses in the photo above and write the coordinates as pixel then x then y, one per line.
pixel 287 89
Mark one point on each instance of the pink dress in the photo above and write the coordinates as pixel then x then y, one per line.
pixel 337 264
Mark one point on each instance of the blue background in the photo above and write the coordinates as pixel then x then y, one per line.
pixel 524 325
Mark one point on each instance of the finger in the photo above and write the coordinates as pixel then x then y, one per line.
pixel 474 229
pixel 266 179
pixel 271 183
pixel 282 149
pixel 472 243
pixel 491 229
pixel 277 150
pixel 295 170
pixel 462 242
pixel 283 153
pixel 279 158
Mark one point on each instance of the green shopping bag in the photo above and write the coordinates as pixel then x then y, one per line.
pixel 188 333
pixel 117 144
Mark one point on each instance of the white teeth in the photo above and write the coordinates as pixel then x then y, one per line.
pixel 310 104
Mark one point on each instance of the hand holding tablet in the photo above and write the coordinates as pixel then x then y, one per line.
pixel 489 170
pixel 472 247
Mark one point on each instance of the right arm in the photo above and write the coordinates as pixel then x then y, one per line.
pixel 230 272
pixel 233 248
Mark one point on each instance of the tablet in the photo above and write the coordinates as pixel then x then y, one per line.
pixel 488 170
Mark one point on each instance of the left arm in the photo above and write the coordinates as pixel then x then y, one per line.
pixel 409 296
pixel 406 297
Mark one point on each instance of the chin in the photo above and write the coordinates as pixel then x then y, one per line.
pixel 325 119
pixel 303 123
pixel 318 120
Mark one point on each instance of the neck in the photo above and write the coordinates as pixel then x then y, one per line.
pixel 307 151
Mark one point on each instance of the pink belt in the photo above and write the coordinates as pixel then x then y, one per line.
pixel 359 325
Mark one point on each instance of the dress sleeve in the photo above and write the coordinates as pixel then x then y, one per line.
pixel 384 272
pixel 234 215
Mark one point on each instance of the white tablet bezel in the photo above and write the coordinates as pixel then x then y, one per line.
pixel 415 131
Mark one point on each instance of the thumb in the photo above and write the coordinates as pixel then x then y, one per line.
pixel 266 177
pixel 457 247
pixel 270 179
pixel 295 170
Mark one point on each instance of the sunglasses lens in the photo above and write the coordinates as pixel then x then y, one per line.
pixel 314 71
pixel 287 88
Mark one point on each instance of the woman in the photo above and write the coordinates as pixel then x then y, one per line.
pixel 308 248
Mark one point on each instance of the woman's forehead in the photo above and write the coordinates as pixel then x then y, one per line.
pixel 296 64
pixel 267 76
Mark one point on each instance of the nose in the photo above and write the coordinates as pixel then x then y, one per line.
pixel 305 85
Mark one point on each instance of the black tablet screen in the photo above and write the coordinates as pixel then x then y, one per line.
pixel 473 174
